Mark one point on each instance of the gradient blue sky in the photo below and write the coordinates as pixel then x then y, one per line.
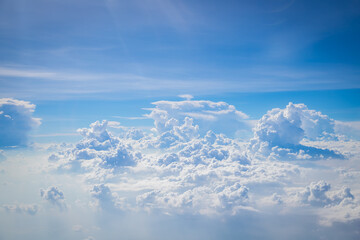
pixel 282 171
pixel 130 53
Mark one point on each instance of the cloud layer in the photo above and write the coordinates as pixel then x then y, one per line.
pixel 182 167
pixel 295 167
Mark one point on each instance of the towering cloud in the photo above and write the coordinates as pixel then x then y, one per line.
pixel 280 131
pixel 16 121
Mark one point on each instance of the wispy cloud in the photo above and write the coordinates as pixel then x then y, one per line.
pixel 59 84
pixel 131 118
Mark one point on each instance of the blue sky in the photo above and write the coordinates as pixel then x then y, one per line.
pixel 139 119
pixel 123 48
pixel 142 51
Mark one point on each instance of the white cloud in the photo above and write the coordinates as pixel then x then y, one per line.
pixel 54 196
pixel 106 199
pixel 186 96
pixel 219 117
pixel 99 153
pixel 278 134
pixel 30 209
pixel 318 194
pixel 330 206
pixel 349 129
pixel 16 121
pixel 203 175
pixel 177 169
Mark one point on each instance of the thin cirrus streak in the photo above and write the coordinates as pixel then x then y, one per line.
pixel 58 84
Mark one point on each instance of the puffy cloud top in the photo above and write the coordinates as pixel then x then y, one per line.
pixel 98 152
pixel 281 127
pixel 317 194
pixel 179 169
pixel 280 132
pixel 207 114
pixel 16 121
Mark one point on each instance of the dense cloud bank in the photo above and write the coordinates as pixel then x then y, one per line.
pixel 16 121
pixel 183 167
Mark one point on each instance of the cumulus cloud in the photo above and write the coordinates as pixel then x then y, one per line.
pixel 179 169
pixel 16 121
pixel 279 133
pixel 30 209
pixel 54 196
pixel 106 199
pixel 198 174
pixel 98 153
pixel 207 175
pixel 219 117
pixel 318 194
pixel 330 205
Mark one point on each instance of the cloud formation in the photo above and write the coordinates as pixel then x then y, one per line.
pixel 278 134
pixel 106 199
pixel 16 121
pixel 178 169
pixel 30 209
pixel 98 153
pixel 219 117
pixel 54 196
pixel 318 194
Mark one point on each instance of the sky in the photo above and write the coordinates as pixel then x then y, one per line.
pixel 158 119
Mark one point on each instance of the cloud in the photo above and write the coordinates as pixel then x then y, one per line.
pixel 195 174
pixel 178 170
pixel 106 199
pixel 317 194
pixel 219 117
pixel 178 134
pixel 99 153
pixel 278 134
pixel 206 175
pixel 55 197
pixel 186 96
pixel 16 121
pixel 330 206
pixel 349 129
pixel 30 209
